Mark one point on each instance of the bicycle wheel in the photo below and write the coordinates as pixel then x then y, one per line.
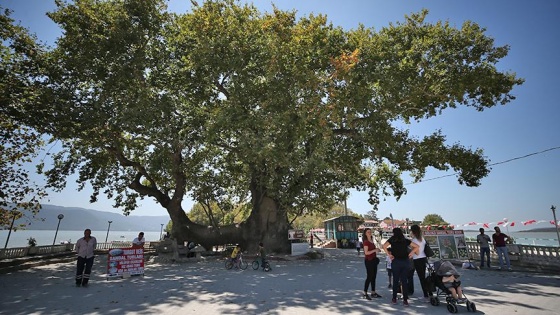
pixel 229 264
pixel 266 266
pixel 255 264
pixel 243 264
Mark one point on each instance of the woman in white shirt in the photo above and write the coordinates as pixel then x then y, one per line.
pixel 139 241
pixel 420 262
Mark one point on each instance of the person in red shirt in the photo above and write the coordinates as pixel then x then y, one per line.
pixel 499 241
pixel 371 262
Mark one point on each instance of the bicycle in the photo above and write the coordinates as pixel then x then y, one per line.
pixel 241 263
pixel 256 264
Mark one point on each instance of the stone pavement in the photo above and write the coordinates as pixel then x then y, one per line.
pixel 329 286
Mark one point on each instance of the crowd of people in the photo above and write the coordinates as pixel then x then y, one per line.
pixel 404 257
pixel 407 256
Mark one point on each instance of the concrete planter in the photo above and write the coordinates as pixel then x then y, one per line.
pixel 32 250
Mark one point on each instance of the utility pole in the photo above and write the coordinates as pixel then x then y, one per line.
pixel 106 237
pixel 553 208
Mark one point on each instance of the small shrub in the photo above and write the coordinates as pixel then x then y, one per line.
pixel 32 241
pixel 315 255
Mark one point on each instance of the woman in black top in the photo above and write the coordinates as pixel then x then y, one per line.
pixel 400 263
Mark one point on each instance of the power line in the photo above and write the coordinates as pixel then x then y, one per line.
pixel 497 163
pixel 524 156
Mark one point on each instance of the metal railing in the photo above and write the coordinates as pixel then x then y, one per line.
pixel 530 256
pixel 18 252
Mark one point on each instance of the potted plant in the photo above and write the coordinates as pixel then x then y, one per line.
pixel 32 246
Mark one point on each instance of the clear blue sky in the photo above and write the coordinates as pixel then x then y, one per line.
pixel 519 190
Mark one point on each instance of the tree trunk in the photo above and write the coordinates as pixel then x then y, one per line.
pixel 267 223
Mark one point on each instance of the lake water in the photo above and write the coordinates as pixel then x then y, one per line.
pixel 525 238
pixel 46 237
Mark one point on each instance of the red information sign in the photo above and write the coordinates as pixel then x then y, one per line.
pixel 125 261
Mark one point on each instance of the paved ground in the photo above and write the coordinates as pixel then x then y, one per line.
pixel 329 286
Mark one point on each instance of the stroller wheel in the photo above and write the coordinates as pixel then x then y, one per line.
pixel 471 307
pixel 452 308
pixel 434 301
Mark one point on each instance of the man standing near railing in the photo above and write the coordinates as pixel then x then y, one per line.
pixel 483 240
pixel 499 241
pixel 139 241
pixel 85 247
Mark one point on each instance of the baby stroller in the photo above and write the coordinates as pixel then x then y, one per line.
pixel 436 272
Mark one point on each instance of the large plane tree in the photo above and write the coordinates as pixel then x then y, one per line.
pixel 234 107
pixel 19 144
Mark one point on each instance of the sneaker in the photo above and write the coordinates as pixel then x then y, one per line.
pixel 463 300
pixel 405 302
pixel 394 301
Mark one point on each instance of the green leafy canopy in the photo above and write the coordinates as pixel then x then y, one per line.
pixel 227 104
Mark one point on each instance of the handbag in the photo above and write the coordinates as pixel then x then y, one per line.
pixel 428 250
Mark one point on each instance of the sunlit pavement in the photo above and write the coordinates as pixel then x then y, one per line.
pixel 332 285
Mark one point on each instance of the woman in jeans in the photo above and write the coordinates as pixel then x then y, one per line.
pixel 400 263
pixel 420 261
pixel 371 262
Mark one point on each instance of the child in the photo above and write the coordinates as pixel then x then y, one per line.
pixel 454 286
pixel 262 254
pixel 235 254
pixel 450 280
pixel 358 246
pixel 389 271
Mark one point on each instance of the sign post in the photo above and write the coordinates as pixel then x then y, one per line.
pixel 447 244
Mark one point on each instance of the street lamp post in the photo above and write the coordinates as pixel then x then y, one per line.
pixel 60 217
pixel 161 231
pixel 10 230
pixel 553 208
pixel 106 237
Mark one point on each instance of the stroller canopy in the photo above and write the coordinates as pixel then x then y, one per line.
pixel 446 268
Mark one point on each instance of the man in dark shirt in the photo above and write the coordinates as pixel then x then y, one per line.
pixel 483 240
pixel 499 241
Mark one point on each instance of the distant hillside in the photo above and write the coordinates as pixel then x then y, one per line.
pixel 79 219
pixel 547 229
